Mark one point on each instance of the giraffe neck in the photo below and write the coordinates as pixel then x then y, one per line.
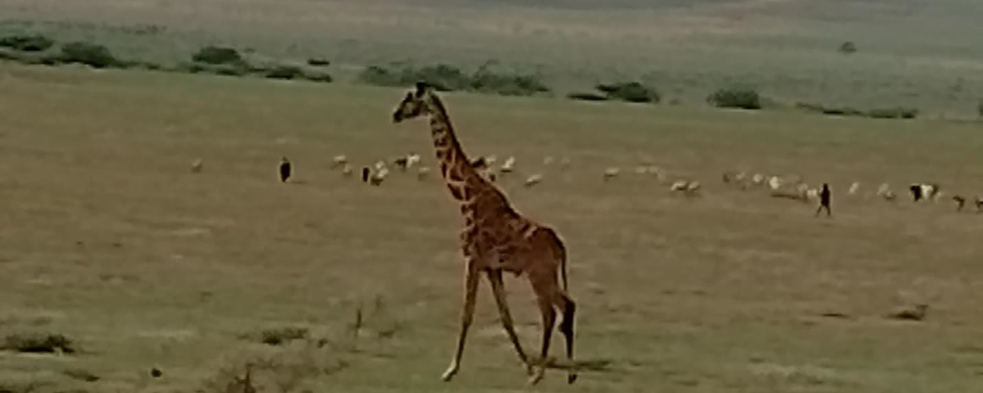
pixel 455 166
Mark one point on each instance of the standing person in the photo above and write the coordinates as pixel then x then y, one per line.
pixel 825 196
pixel 284 169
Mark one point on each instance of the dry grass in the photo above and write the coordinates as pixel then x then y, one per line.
pixel 110 239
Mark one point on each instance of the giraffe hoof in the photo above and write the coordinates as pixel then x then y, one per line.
pixel 571 378
pixel 449 374
pixel 537 376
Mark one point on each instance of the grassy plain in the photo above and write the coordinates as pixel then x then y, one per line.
pixel 110 239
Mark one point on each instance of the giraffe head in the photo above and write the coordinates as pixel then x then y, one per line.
pixel 413 105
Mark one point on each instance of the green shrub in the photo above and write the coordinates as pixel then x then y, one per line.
pixel 27 43
pixel 318 77
pixel 893 113
pixel 587 97
pixel 50 60
pixel 217 55
pixel 190 68
pixel 228 70
pixel 318 62
pixel 881 113
pixel 257 69
pixel 22 57
pixel 285 72
pixel 291 72
pixel 235 69
pixel 146 65
pixel 741 98
pixel 509 85
pixel 442 77
pixel 94 55
pixel 809 107
pixel 843 111
pixel 831 111
pixel 630 92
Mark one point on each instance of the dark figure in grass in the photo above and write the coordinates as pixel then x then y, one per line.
pixel 825 196
pixel 284 169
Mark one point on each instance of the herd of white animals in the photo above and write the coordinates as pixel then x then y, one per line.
pixel 790 187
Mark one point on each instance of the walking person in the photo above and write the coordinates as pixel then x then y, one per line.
pixel 825 197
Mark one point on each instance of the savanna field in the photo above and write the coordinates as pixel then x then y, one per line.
pixel 161 278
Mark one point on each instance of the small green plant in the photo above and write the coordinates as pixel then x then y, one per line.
pixel 217 55
pixel 741 98
pixel 27 43
pixel 282 335
pixel 848 47
pixel 277 336
pixel 629 92
pixel 94 55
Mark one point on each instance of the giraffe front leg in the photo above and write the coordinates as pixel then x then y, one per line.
pixel 467 315
pixel 498 289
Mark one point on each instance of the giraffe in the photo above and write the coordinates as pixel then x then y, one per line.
pixel 496 239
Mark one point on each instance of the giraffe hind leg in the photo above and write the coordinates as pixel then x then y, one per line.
pixel 547 259
pixel 568 308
